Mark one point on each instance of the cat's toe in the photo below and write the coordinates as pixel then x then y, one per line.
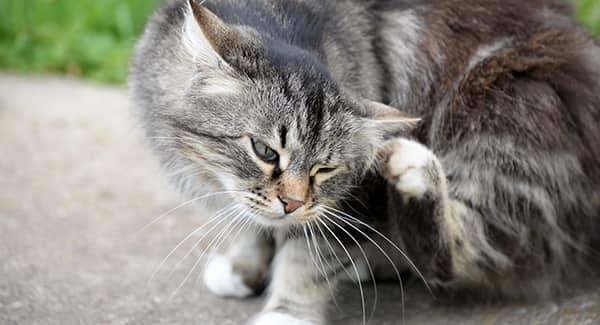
pixel 406 154
pixel 221 279
pixel 409 167
pixel 277 318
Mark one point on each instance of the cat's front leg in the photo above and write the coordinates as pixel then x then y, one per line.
pixel 242 271
pixel 299 292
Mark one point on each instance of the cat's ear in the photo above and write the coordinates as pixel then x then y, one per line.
pixel 387 121
pixel 207 37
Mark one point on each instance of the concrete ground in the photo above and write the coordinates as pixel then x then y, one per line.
pixel 76 186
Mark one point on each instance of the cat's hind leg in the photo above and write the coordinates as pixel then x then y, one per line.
pixel 480 228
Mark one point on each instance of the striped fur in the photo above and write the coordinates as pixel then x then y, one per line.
pixel 496 190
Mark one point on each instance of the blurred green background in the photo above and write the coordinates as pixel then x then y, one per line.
pixel 94 38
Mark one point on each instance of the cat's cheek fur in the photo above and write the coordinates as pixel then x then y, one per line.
pixel 222 280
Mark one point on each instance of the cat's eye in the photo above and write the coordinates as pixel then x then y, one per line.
pixel 264 152
pixel 320 169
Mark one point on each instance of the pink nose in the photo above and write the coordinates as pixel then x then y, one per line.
pixel 290 205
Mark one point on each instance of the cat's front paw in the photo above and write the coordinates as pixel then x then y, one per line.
pixel 221 278
pixel 278 318
pixel 412 168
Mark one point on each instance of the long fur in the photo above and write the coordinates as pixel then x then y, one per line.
pixel 507 197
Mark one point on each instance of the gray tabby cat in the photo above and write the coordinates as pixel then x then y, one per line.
pixel 457 138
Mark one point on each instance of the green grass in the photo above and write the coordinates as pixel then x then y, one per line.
pixel 94 38
pixel 88 38
pixel 588 12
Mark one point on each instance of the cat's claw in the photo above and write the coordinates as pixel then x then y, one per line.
pixel 221 279
pixel 277 318
pixel 410 167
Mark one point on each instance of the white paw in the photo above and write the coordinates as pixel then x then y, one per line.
pixel 276 318
pixel 221 279
pixel 408 167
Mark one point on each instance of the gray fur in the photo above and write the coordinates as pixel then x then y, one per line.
pixel 506 197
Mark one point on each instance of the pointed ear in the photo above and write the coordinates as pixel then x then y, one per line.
pixel 206 36
pixel 209 42
pixel 386 120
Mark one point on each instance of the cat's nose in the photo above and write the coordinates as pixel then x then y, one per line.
pixel 290 205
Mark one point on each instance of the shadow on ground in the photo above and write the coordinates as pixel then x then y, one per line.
pixel 76 186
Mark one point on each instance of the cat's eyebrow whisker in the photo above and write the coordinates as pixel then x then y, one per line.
pixel 382 251
pixel 181 205
pixel 214 241
pixel 362 251
pixel 410 262
pixel 362 294
pixel 198 229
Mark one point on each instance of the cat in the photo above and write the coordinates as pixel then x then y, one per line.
pixel 455 139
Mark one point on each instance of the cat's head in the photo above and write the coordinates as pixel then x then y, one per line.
pixel 231 110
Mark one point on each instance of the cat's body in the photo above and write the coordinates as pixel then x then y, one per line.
pixel 502 195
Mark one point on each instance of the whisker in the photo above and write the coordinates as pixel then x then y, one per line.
pixel 199 241
pixel 163 215
pixel 322 270
pixel 362 294
pixel 164 260
pixel 372 274
pixel 242 225
pixel 410 262
pixel 384 254
pixel 236 219
pixel 333 252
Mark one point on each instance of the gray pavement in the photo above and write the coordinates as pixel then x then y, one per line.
pixel 76 186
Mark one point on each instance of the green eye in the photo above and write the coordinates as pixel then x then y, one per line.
pixel 263 151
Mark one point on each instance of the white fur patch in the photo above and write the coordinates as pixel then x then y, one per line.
pixel 275 318
pixel 412 183
pixel 409 154
pixel 284 159
pixel 221 280
pixel 407 163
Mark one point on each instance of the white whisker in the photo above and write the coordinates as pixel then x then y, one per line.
pixel 382 251
pixel 321 269
pixel 332 250
pixel 234 221
pixel 362 294
pixel 372 274
pixel 180 206
pixel 199 241
pixel 410 262
pixel 164 260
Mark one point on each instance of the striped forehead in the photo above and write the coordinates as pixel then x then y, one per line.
pixel 300 142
